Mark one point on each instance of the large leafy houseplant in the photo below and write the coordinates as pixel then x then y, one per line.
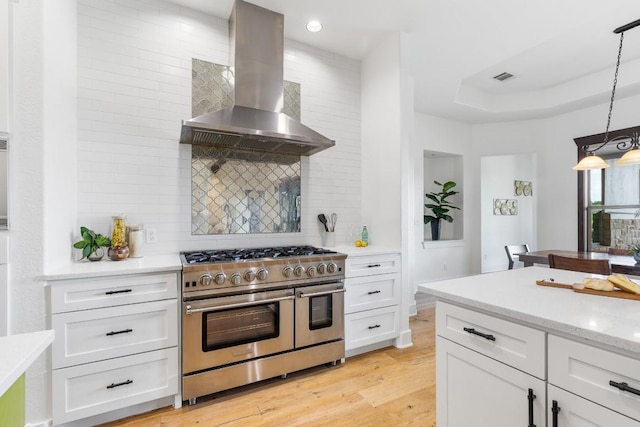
pixel 91 244
pixel 440 207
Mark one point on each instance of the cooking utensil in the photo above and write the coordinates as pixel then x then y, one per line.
pixel 323 219
pixel 334 219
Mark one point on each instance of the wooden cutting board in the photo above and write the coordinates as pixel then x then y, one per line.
pixel 614 294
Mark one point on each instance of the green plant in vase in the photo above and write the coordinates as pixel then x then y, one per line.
pixel 636 252
pixel 440 207
pixel 92 244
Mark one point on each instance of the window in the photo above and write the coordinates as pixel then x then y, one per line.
pixel 608 200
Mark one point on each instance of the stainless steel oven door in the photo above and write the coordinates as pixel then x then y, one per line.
pixel 222 330
pixel 319 314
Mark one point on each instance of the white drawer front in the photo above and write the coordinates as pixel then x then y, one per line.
pixel 365 293
pixel 86 390
pixel 92 335
pixel 516 345
pixel 83 294
pixel 372 264
pixel 587 370
pixel 372 326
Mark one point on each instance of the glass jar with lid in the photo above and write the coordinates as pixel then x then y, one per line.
pixel 118 232
pixel 136 240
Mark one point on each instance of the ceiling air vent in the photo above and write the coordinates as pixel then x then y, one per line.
pixel 503 76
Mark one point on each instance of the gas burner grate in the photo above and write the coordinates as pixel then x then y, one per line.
pixel 235 255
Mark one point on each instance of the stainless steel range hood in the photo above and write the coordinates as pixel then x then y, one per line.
pixel 255 123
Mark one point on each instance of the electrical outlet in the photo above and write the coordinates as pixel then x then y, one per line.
pixel 151 236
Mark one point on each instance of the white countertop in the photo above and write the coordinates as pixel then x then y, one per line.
pixel 106 267
pixel 610 322
pixel 18 352
pixel 352 250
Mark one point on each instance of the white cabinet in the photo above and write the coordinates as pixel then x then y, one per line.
pixel 4 65
pixel 486 370
pixel 596 375
pixel 116 343
pixel 372 298
pixel 483 392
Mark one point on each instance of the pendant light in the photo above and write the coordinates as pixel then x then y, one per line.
pixel 630 144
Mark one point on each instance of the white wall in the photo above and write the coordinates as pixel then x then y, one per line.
pixel 443 259
pixel 497 176
pixel 135 89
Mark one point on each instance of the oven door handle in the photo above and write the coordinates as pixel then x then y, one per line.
pixel 189 310
pixel 317 294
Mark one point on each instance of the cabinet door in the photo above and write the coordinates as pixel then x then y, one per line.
pixel 574 411
pixel 475 390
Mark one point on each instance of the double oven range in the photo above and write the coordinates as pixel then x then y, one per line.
pixel 253 314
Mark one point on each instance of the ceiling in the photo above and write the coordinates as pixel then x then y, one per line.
pixel 561 52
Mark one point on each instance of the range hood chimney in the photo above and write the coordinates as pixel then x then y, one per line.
pixel 256 122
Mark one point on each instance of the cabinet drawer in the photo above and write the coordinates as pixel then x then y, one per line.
pixel 587 370
pixel 516 345
pixel 372 326
pixel 92 335
pixel 365 293
pixel 574 410
pixel 372 264
pixel 83 294
pixel 94 388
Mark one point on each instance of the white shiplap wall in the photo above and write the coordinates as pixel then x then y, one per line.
pixel 134 87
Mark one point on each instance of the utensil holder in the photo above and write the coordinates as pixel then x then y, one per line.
pixel 328 239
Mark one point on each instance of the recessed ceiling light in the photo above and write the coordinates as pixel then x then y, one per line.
pixel 314 26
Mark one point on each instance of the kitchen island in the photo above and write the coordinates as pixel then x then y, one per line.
pixel 511 352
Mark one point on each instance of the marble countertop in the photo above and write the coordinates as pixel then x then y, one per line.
pixel 605 321
pixel 18 352
pixel 146 264
pixel 354 251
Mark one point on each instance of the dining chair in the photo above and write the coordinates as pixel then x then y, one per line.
pixel 512 250
pixel 595 266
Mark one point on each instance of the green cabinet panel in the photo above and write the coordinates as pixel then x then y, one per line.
pixel 12 405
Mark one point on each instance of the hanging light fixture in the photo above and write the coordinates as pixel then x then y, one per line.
pixel 630 144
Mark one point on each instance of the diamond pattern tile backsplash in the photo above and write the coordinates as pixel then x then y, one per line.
pixel 231 192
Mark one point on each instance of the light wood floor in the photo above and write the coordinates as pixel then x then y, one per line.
pixel 388 387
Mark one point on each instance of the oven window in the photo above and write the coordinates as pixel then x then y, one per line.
pixel 234 326
pixel 320 312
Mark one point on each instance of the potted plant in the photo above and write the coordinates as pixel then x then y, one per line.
pixel 636 252
pixel 440 207
pixel 92 244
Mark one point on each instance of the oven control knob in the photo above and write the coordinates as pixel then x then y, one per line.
pixel 298 271
pixel 220 278
pixel 332 267
pixel 236 279
pixel 287 271
pixel 249 276
pixel 205 280
pixel 322 268
pixel 311 271
pixel 263 274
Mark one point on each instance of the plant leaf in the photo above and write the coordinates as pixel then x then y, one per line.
pixel 80 245
pixel 86 252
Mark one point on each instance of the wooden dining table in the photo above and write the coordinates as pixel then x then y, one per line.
pixel 624 264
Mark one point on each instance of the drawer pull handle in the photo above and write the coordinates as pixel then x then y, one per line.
pixel 555 409
pixel 374 326
pixel 373 265
pixel 119 384
pixel 124 331
pixel 624 387
pixel 373 292
pixel 480 334
pixel 123 291
pixel 531 398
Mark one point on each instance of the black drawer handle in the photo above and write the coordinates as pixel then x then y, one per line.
pixel 124 331
pixel 119 384
pixel 624 387
pixel 480 334
pixel 531 398
pixel 374 326
pixel 373 292
pixel 555 409
pixel 373 265
pixel 123 291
